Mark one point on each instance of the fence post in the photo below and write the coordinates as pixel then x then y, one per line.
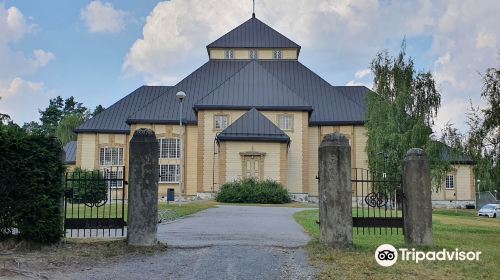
pixel 417 209
pixel 142 219
pixel 335 191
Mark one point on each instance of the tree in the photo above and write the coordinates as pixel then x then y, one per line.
pixel 400 113
pixel 4 118
pixel 51 116
pixel 65 130
pixel 98 109
pixel 483 139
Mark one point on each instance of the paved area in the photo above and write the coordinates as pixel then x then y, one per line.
pixel 236 225
pixel 229 242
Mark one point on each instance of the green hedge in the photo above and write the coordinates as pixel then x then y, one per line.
pixel 31 186
pixel 253 191
pixel 87 186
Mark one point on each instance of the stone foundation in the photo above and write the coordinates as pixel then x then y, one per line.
pixel 451 204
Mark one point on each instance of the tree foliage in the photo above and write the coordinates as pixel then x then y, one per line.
pixel 400 113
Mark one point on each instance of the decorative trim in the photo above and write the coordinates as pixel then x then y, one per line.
pixel 222 164
pixel 284 164
pixel 305 153
pixel 252 153
pixel 201 151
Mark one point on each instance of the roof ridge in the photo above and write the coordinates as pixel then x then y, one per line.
pixel 283 83
pixel 223 82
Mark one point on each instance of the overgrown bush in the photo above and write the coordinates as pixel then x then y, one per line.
pixel 31 187
pixel 88 187
pixel 253 191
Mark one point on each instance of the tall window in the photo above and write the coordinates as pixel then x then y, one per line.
pixel 220 122
pixel 286 122
pixel 277 54
pixel 109 156
pixel 450 182
pixel 228 54
pixel 114 176
pixel 170 148
pixel 253 54
pixel 169 173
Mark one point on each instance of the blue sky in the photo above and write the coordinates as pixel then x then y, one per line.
pixel 99 51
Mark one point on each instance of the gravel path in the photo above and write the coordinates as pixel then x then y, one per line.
pixel 229 242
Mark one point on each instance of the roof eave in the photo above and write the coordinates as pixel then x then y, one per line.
pixel 325 123
pixel 247 107
pixel 103 131
pixel 280 139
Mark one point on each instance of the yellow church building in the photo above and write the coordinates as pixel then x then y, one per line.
pixel 252 110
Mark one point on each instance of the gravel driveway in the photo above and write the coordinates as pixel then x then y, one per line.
pixel 228 242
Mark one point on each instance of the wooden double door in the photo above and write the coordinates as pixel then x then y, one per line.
pixel 252 167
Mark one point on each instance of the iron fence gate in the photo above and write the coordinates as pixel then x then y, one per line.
pixel 377 201
pixel 94 202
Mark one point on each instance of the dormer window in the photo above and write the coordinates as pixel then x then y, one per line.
pixel 253 54
pixel 229 54
pixel 277 54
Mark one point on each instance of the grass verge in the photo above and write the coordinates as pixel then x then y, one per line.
pixel 451 229
pixel 166 211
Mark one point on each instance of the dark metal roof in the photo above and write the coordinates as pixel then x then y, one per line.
pixel 70 152
pixel 253 126
pixel 331 105
pixel 226 84
pixel 165 109
pixel 455 157
pixel 253 33
pixel 113 119
pixel 253 86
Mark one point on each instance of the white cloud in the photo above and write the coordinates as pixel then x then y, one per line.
pixel 486 40
pixel 21 99
pixel 362 73
pixel 338 37
pixel 103 17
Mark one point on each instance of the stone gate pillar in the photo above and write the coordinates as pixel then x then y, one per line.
pixel 417 208
pixel 142 219
pixel 335 191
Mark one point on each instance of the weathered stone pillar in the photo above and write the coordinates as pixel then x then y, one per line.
pixel 335 191
pixel 143 189
pixel 417 209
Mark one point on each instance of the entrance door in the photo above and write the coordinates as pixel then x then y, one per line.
pixel 251 167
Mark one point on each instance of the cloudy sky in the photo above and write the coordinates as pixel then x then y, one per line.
pixel 99 51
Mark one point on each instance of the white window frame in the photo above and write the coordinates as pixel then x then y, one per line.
pixel 449 183
pixel 229 54
pixel 285 122
pixel 219 124
pixel 165 176
pixel 170 148
pixel 111 156
pixel 253 54
pixel 113 173
pixel 277 54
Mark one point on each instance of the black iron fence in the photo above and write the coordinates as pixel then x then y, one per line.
pixel 377 201
pixel 94 202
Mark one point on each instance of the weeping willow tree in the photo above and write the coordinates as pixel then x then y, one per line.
pixel 400 113
pixel 65 129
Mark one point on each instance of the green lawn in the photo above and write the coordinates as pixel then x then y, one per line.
pixel 166 211
pixel 451 229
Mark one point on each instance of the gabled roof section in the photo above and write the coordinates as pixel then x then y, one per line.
pixel 253 86
pixel 253 126
pixel 332 105
pixel 165 109
pixel 113 119
pixel 70 152
pixel 253 33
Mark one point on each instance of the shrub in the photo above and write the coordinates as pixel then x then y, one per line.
pixel 253 191
pixel 31 186
pixel 88 187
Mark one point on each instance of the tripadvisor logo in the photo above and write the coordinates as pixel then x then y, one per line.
pixel 387 255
